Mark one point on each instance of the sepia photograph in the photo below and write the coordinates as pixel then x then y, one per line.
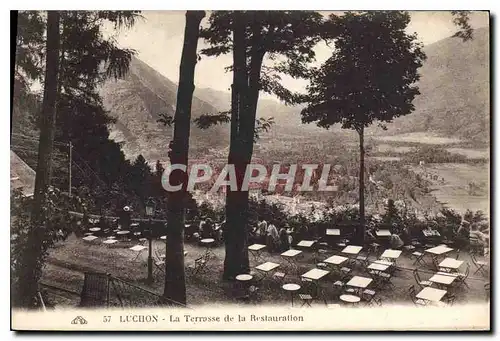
pixel 253 169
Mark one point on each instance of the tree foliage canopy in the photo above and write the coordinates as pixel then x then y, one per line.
pixel 371 74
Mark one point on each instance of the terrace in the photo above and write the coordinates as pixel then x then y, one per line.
pixel 313 274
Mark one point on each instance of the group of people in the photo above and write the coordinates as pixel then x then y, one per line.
pixel 268 234
pixel 205 228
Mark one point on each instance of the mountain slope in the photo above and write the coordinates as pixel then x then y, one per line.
pixel 454 87
pixel 137 100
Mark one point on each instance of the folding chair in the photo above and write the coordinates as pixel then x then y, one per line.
pixel 413 296
pixel 306 299
pixel 421 284
pixel 197 267
pixel 419 257
pixel 462 277
pixel 478 264
pixel 449 299
pixel 367 296
pixel 159 266
pixel 279 277
pixel 363 259
pixel 385 278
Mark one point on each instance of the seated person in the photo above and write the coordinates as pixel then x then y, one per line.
pixel 370 236
pixel 405 236
pixel 272 238
pixel 284 241
pixel 207 229
pixel 396 242
pixel 261 232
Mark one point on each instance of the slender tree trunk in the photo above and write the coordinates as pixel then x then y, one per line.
pixel 32 265
pixel 235 236
pixel 361 230
pixel 175 282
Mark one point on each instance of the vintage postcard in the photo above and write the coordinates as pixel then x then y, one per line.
pixel 250 170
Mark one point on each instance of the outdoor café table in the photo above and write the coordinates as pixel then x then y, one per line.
pixel 256 250
pixel 378 266
pixel 110 241
pixel 336 261
pixel 391 255
pixel 266 268
pixel 359 282
pixel 244 280
pixel 306 243
pixel 94 229
pixel 89 238
pixel 352 250
pixel 163 237
pixel 451 264
pixel 123 233
pixel 383 233
pixel 350 299
pixel 431 294
pixel 437 251
pixel 138 249
pixel 291 287
pixel 333 232
pixel 443 278
pixel 291 257
pixel 315 275
pixel 208 242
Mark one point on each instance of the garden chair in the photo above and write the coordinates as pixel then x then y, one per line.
pixel 462 277
pixel 478 264
pixel 408 248
pixel 419 257
pixel 306 299
pixel 279 277
pixel 159 266
pixel 367 296
pixel 374 248
pixel 449 299
pixel 345 272
pixel 385 279
pixel 197 267
pixel 421 284
pixel 363 259
pixel 338 287
pixel 414 299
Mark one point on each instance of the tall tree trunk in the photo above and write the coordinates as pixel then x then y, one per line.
pixel 175 282
pixel 361 229
pixel 32 266
pixel 237 203
pixel 235 236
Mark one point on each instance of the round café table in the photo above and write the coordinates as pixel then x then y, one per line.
pixel 163 237
pixel 350 299
pixel 208 242
pixel 244 281
pixel 110 241
pixel 123 233
pixel 291 287
pixel 94 229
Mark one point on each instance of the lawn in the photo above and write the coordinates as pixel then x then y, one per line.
pixel 67 263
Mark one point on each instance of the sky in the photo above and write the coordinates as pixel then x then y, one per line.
pixel 158 40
